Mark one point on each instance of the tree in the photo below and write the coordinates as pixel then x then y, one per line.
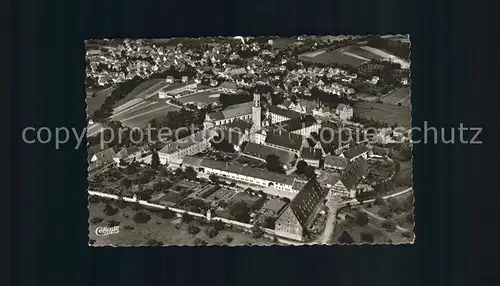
pixel 379 201
pixel 199 242
pixel 167 214
pixel 384 212
pixel 301 166
pixel 112 223
pixel 257 232
pixel 389 225
pixel 346 238
pixel 218 225
pixel 305 169
pixel 109 210
pixel 366 237
pixel 362 218
pixel 191 174
pixel 394 205
pixel 211 232
pixel 186 218
pixel 155 160
pixel 141 217
pixel 192 229
pixel 153 242
pixel 214 178
pixel 410 218
pixel 273 164
pixel 228 239
pixel 96 220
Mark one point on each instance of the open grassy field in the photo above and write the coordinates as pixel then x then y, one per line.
pixel 356 50
pixel 140 89
pixel 401 115
pixel 400 95
pixel 333 57
pixel 166 231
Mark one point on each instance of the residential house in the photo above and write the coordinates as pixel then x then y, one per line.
pixel 353 153
pixel 169 79
pixel 311 156
pixel 301 212
pixel 345 112
pixel 228 87
pixel 101 160
pixel 335 163
pixel 127 155
pixel 349 183
pixel 374 80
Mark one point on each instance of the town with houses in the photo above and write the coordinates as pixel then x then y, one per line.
pixel 275 141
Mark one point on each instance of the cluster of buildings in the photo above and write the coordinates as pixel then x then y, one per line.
pixel 284 130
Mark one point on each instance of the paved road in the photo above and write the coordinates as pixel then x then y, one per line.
pixel 333 204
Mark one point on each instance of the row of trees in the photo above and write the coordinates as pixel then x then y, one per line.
pixel 118 93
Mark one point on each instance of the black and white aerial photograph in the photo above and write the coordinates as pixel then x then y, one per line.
pixel 249 141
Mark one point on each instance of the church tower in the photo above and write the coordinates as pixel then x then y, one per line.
pixel 255 135
pixel 256 111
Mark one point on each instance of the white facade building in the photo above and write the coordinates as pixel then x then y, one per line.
pixel 190 145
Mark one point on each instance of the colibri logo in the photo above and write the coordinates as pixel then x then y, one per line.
pixel 102 231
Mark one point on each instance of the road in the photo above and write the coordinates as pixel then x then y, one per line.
pixel 333 204
pixel 94 129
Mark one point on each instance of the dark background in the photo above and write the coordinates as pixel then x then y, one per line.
pixel 47 217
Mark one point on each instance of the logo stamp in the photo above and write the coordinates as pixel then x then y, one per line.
pixel 103 231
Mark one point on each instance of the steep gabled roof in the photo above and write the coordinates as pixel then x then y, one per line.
pixel 307 200
pixel 354 173
pixel 355 151
pixel 311 153
pixel 285 139
pixel 290 114
pixel 336 161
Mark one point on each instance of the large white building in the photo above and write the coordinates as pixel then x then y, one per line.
pixel 237 172
pixel 241 111
pixel 189 145
pixel 277 114
pixel 176 88
pixel 345 112
pixel 303 125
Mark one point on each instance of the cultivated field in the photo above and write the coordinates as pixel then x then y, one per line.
pixel 399 96
pixel 206 97
pixel 359 51
pixel 140 89
pixel 333 57
pixel 140 117
pixel 388 113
